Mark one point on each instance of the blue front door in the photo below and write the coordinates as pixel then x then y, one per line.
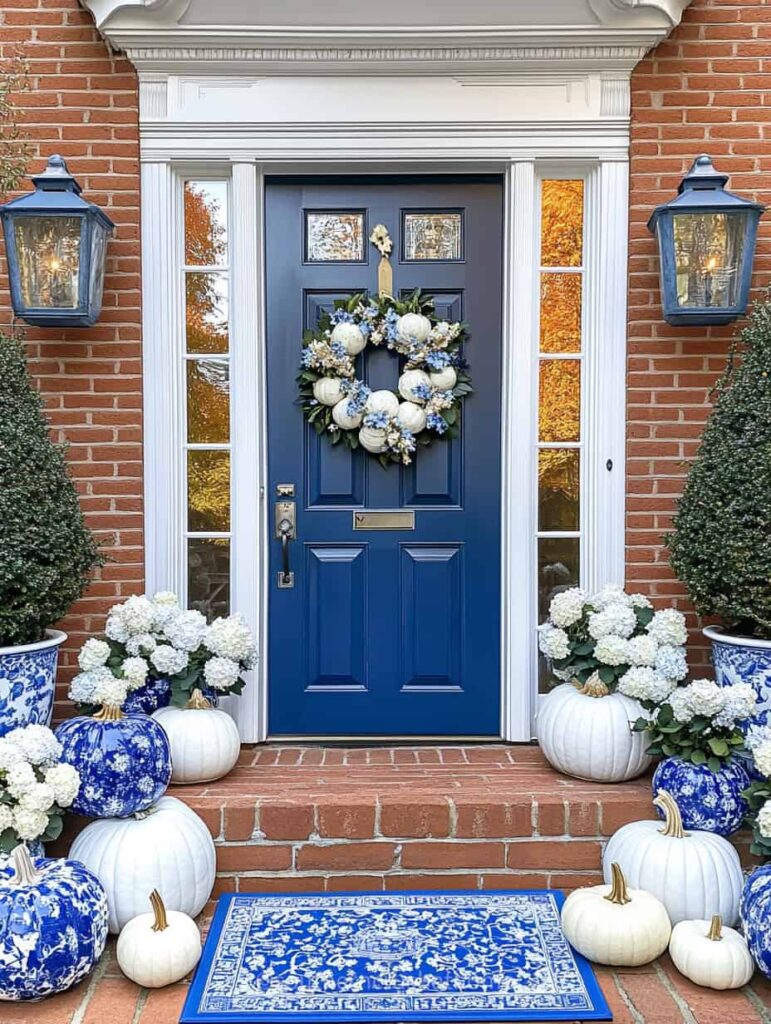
pixel 390 632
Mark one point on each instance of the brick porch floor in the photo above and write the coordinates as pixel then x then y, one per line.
pixel 294 818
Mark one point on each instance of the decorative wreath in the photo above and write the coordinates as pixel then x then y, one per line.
pixel 432 384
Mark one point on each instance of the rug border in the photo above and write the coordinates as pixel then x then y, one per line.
pixel 191 1015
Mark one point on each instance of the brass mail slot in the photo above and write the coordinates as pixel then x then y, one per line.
pixel 384 520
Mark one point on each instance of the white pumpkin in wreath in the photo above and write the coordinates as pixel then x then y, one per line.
pixel 694 874
pixel 160 948
pixel 589 735
pixel 328 390
pixel 343 420
pixel 710 955
pixel 350 336
pixel 168 848
pixel 373 439
pixel 204 741
pixel 409 381
pixel 611 924
pixel 383 401
pixel 412 417
pixel 445 379
pixel 413 327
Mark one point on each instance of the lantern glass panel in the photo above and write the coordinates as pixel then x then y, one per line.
pixel 96 275
pixel 708 258
pixel 48 253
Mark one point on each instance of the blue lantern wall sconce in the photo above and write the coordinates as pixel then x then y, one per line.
pixel 55 244
pixel 706 238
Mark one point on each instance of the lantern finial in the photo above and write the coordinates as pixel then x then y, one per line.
pixel 56 177
pixel 702 175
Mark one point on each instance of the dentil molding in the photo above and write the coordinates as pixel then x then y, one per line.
pixel 366 37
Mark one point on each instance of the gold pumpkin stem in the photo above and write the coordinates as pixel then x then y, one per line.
pixel 198 702
pixel 24 871
pixel 160 924
pixel 593 688
pixel 109 713
pixel 619 894
pixel 673 820
pixel 716 928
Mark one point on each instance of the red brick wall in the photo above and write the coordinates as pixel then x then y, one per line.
pixel 705 89
pixel 83 104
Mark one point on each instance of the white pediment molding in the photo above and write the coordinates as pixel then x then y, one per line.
pixel 365 37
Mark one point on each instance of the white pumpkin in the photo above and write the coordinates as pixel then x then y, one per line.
pixel 710 955
pixel 694 874
pixel 412 417
pixel 160 948
pixel 204 741
pixel 445 379
pixel 410 380
pixel 413 327
pixel 591 737
pixel 168 848
pixel 343 420
pixel 383 401
pixel 328 390
pixel 613 925
pixel 373 439
pixel 350 336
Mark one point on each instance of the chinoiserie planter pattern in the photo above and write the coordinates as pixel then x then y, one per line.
pixel 156 694
pixel 54 928
pixel 591 737
pixel 124 765
pixel 756 916
pixel 708 801
pixel 35 848
pixel 743 660
pixel 27 680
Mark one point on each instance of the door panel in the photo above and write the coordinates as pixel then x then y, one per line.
pixel 392 632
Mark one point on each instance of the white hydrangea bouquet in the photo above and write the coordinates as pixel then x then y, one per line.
pixel 612 641
pixel 758 796
pixel 700 722
pixel 35 787
pixel 154 638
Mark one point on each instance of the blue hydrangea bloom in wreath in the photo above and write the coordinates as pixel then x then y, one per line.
pixel 432 384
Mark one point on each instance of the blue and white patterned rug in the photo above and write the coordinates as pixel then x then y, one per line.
pixel 361 957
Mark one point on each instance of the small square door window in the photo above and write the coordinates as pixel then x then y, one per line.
pixel 335 236
pixel 433 236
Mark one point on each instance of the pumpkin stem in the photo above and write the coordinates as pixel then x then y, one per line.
pixel 24 871
pixel 673 820
pixel 160 923
pixel 109 713
pixel 619 894
pixel 716 928
pixel 198 702
pixel 594 687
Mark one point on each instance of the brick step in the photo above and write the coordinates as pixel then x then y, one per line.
pixel 314 819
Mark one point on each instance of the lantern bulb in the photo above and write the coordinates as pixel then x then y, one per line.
pixel 54 264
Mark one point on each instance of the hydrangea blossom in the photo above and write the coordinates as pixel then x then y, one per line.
pixel 38 797
pixel 84 686
pixel 553 642
pixel 142 643
pixel 612 650
pixel 643 650
pixel 612 593
pixel 134 671
pixel 764 820
pixel 706 697
pixel 680 703
pixel 93 654
pixel 221 673
pixel 567 607
pixel 644 683
pixel 186 631
pixel 739 702
pixel 168 660
pixel 761 755
pixel 64 780
pixel 668 627
pixel 20 779
pixel 671 661
pixel 615 619
pixel 109 691
pixel 231 638
pixel 757 734
pixel 37 744
pixel 29 824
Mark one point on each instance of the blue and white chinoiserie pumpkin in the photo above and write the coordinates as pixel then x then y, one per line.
pixel 124 762
pixel 708 801
pixel 755 913
pixel 53 925
pixel 27 679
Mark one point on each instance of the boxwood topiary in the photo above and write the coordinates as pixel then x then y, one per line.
pixel 46 550
pixel 721 545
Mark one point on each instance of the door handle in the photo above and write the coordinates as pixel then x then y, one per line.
pixel 286 530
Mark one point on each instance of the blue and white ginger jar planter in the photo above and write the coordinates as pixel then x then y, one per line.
pixel 53 926
pixel 755 910
pixel 155 694
pixel 35 848
pixel 27 681
pixel 124 763
pixel 740 659
pixel 708 801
